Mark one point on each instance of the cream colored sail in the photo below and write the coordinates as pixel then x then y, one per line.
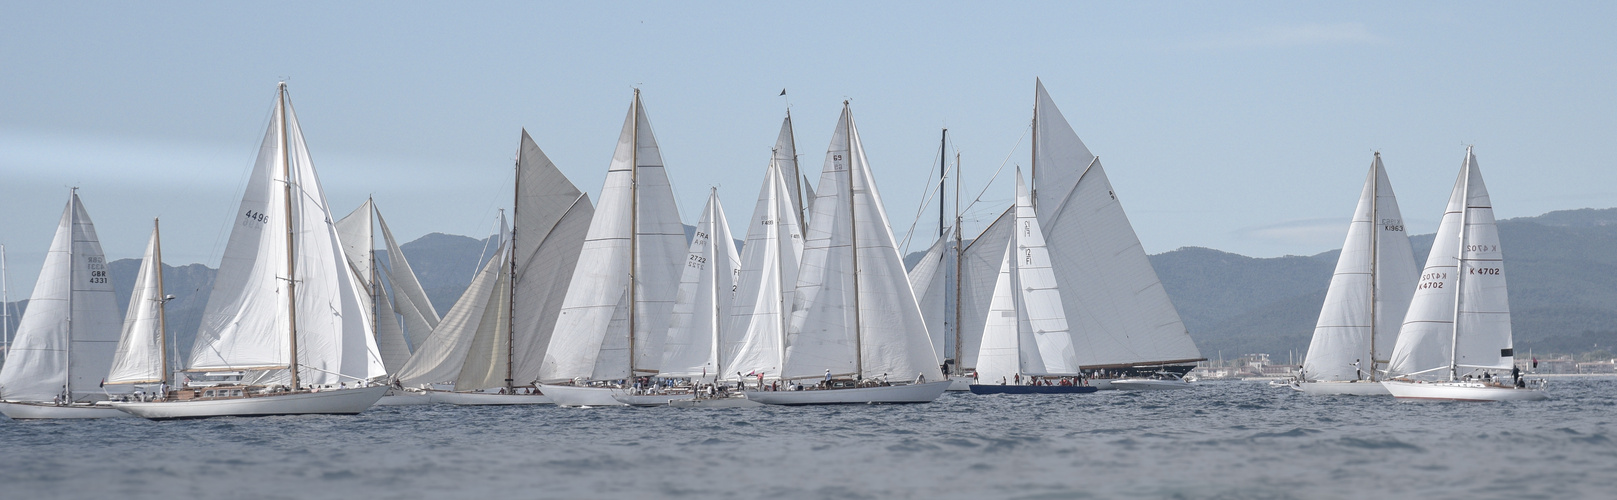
pixel 444 353
pixel 1459 320
pixel 1369 292
pixel 551 217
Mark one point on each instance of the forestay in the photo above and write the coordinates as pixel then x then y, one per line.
pixel 755 333
pixel 1369 292
pixel 1461 298
pixel 66 338
pixel 706 292
pixel 1118 312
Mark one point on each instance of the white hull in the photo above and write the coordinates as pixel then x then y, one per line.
pixel 1102 384
pixel 567 395
pixel 28 411
pixel 487 399
pixel 1461 391
pixel 731 402
pixel 649 399
pixel 959 383
pixel 396 397
pixel 334 402
pixel 912 393
pixel 1348 388
pixel 1149 385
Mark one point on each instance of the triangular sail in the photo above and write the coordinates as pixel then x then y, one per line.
pixel 706 291
pixel 1118 312
pixel 66 338
pixel 441 357
pixel 636 227
pixel 488 358
pixel 390 341
pixel 854 313
pixel 929 280
pixel 1376 269
pixel 355 232
pixel 551 218
pixel 411 300
pixel 1026 323
pixel 784 155
pixel 755 335
pixel 139 357
pixel 1461 299
pixel 979 273
pixel 999 357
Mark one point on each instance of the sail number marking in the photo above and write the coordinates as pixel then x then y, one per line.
pixel 98 269
pixel 1432 280
pixel 256 216
pixel 1491 271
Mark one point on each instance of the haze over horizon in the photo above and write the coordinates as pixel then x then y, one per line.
pixel 1243 128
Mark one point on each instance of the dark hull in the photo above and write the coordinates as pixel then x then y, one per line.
pixel 1032 389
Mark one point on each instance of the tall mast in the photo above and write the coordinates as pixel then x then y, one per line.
pixel 73 282
pixel 162 301
pixel 5 304
pixel 1375 253
pixel 634 217
pixel 511 298
pixel 959 251
pixel 780 274
pixel 1033 175
pixel 374 281
pixel 853 228
pixel 1459 268
pixel 943 174
pixel 713 276
pixel 291 249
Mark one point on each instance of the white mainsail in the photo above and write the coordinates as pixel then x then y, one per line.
pixel 784 155
pixel 854 312
pixel 355 232
pixel 615 316
pixel 755 332
pixel 1370 291
pixel 440 358
pixel 1459 318
pixel 551 217
pixel 140 356
pixel 247 324
pixel 1026 331
pixel 706 292
pixel 65 341
pixel 409 298
pixel 1119 313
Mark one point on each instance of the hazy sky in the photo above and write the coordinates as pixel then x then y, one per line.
pixel 1242 127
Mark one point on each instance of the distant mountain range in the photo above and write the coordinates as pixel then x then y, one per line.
pixel 1562 265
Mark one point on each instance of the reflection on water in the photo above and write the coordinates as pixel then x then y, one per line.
pixel 1221 440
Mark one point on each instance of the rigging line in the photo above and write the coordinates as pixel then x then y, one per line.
pixel 495 234
pixel 925 202
pixel 997 171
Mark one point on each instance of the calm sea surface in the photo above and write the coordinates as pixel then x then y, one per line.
pixel 1221 440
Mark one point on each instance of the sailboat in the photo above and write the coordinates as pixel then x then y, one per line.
pixel 854 315
pixel 65 342
pixel 1121 318
pixel 693 349
pixel 609 334
pixel 1368 296
pixel 357 233
pixel 489 346
pixel 284 331
pixel 1026 348
pixel 141 359
pixel 1456 341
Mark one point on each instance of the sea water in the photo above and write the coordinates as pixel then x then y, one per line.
pixel 1218 440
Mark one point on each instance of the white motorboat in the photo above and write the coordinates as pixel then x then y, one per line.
pixel 576 396
pixel 1103 384
pixel 649 399
pixel 483 398
pixel 1458 325
pixel 20 410
pixel 324 402
pixel 890 394
pixel 404 397
pixel 1462 391
pixel 1343 387
pixel 1151 384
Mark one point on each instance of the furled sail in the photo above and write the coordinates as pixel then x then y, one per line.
pixel 706 292
pixel 551 218
pixel 1119 313
pixel 755 332
pixel 615 316
pixel 246 323
pixel 1370 291
pixel 66 338
pixel 854 312
pixel 1461 299
pixel 139 357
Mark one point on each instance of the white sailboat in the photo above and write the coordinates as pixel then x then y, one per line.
pixel 1120 316
pixel 141 359
pixel 1456 341
pixel 357 234
pixel 1026 348
pixel 694 346
pixel 1368 296
pixel 284 326
pixel 854 315
pixel 489 347
pixel 65 342
pixel 615 315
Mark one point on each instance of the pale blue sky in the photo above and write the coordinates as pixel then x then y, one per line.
pixel 1242 127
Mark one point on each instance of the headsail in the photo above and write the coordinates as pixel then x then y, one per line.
pixel 706 292
pixel 139 358
pixel 755 334
pixel 1370 291
pixel 66 338
pixel 1027 329
pixel 929 280
pixel 441 357
pixel 409 298
pixel 1118 312
pixel 1461 299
